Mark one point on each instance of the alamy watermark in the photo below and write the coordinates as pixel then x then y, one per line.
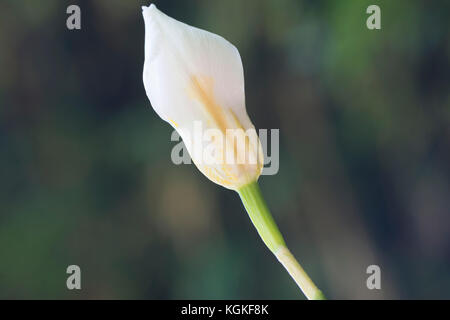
pixel 213 147
pixel 74 280
pixel 374 20
pixel 73 21
pixel 374 280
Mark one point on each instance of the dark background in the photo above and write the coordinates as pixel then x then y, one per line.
pixel 86 176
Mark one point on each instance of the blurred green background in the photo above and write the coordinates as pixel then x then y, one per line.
pixel 86 176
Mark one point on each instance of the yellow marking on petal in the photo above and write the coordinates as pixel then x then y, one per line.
pixel 228 173
pixel 247 139
pixel 202 89
pixel 238 123
pixel 213 175
pixel 173 123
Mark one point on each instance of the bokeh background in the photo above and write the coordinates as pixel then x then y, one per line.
pixel 86 176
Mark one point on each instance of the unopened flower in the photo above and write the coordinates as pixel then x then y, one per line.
pixel 194 78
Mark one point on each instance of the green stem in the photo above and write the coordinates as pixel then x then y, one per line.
pixel 265 225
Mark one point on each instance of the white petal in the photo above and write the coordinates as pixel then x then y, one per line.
pixel 193 75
